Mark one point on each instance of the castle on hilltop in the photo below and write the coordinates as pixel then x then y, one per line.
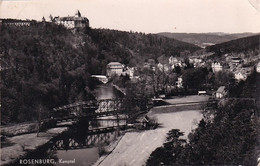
pixel 71 22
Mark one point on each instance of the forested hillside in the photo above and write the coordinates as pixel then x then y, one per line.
pixel 205 39
pixel 246 44
pixel 47 65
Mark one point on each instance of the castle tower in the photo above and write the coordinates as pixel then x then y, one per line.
pixel 78 14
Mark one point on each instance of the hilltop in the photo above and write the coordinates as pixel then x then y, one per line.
pixel 47 65
pixel 205 39
pixel 251 43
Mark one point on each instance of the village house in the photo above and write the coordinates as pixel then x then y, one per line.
pixel 71 22
pixel 129 71
pixel 258 68
pixel 195 60
pixel 114 68
pixel 173 60
pixel 118 69
pixel 240 76
pixel 163 67
pixel 221 92
pixel 179 82
pixel 236 61
pixel 216 67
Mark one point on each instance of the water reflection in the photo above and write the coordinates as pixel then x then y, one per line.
pixel 79 143
pixel 82 145
pixel 84 157
pixel 85 151
pixel 103 92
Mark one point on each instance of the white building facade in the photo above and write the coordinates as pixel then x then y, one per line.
pixel 71 22
pixel 258 68
pixel 114 68
pixel 216 67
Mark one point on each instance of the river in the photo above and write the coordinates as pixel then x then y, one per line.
pixel 88 156
pixel 135 147
pixel 104 91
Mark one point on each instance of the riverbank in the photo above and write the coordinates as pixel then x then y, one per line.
pixel 187 99
pixel 27 142
pixel 19 129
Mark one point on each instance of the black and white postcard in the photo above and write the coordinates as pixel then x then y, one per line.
pixel 130 82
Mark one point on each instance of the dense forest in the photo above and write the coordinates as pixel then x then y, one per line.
pixel 227 134
pixel 46 65
pixel 205 39
pixel 251 43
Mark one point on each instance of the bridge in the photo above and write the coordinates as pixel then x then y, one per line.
pixel 95 109
pixel 93 137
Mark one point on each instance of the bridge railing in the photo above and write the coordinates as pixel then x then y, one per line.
pixel 101 107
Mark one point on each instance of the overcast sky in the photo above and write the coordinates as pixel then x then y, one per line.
pixel 149 16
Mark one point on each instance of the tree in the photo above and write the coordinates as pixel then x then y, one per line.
pixel 171 150
pixel 223 78
pixel 51 18
pixel 177 69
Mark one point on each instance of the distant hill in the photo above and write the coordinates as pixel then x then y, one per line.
pixel 242 45
pixel 205 39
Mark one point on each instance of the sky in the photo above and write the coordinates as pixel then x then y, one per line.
pixel 148 16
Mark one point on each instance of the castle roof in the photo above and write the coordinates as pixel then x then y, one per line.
pixel 72 18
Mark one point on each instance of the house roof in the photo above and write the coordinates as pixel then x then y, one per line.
pixel 98 76
pixel 114 63
pixel 221 89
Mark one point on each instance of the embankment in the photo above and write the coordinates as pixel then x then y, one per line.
pixel 176 108
pixel 26 144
